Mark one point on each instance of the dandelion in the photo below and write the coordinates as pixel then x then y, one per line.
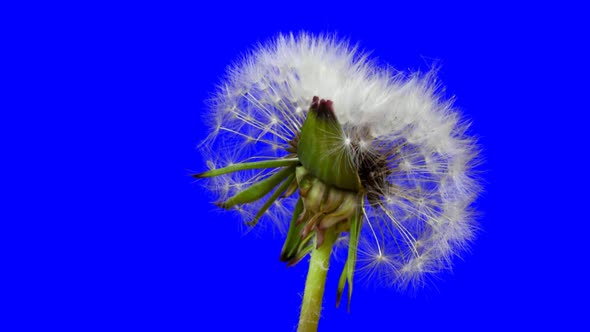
pixel 310 135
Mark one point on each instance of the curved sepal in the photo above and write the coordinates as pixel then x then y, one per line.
pixel 296 246
pixel 281 189
pixel 348 271
pixel 257 190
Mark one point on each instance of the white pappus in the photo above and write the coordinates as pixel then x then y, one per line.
pixel 418 215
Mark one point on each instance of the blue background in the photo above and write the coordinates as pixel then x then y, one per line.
pixel 104 229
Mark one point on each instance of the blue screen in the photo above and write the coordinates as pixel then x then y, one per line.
pixel 122 237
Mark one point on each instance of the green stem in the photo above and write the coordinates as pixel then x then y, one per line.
pixel 314 285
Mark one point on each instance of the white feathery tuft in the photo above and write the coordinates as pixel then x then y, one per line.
pixel 423 218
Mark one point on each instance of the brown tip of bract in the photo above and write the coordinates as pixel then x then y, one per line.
pixel 290 259
pixel 314 101
pixel 285 257
pixel 338 297
pixel 323 108
pixel 220 204
pixel 294 260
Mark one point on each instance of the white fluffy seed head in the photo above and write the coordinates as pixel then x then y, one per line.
pixel 422 218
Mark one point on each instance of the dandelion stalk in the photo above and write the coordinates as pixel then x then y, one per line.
pixel 314 284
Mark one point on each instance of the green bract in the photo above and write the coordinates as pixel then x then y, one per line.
pixel 322 150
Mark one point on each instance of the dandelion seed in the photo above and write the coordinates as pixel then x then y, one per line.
pixel 353 155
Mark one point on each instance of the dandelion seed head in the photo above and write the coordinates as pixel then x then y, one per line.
pixel 408 143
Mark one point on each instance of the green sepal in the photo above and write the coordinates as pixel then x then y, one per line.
pixel 291 189
pixel 341 284
pixel 258 190
pixel 294 248
pixel 322 150
pixel 245 166
pixel 305 247
pixel 272 199
pixel 347 275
